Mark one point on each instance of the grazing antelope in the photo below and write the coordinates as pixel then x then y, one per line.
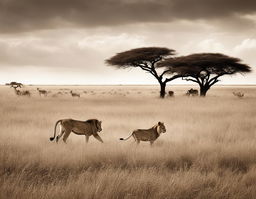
pixel 74 94
pixel 192 92
pixel 238 94
pixel 20 93
pixel 171 93
pixel 57 94
pixel 42 92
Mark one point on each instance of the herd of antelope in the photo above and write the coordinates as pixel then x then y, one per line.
pixel 17 86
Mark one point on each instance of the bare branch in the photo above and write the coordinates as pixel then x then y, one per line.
pixel 150 71
pixel 172 78
pixel 189 79
pixel 215 78
pixel 213 82
pixel 163 73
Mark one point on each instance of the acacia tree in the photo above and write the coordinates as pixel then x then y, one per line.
pixel 205 69
pixel 15 84
pixel 145 59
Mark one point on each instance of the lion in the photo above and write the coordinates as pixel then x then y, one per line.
pixel 87 128
pixel 150 134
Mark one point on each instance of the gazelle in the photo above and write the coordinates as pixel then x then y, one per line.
pixel 238 94
pixel 74 94
pixel 42 92
pixel 20 93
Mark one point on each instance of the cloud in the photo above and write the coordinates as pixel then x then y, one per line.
pixel 64 50
pixel 247 50
pixel 112 42
pixel 246 45
pixel 210 45
pixel 27 51
pixel 30 15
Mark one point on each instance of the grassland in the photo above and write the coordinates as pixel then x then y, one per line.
pixel 208 151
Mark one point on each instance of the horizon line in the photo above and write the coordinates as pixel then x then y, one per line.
pixel 128 84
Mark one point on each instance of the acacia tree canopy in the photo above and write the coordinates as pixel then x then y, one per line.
pixel 146 59
pixel 15 84
pixel 204 68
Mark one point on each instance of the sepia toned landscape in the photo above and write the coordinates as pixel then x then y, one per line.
pixel 208 150
pixel 127 99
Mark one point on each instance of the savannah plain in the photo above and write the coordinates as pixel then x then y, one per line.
pixel 208 151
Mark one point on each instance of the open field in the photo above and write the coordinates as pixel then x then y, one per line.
pixel 208 151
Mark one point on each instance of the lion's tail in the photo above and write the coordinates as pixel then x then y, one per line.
pixel 126 138
pixel 52 138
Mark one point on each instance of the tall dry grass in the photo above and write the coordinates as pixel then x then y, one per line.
pixel 208 151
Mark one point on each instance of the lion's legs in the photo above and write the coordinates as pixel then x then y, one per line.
pixel 67 133
pixel 86 138
pixel 59 136
pixel 136 140
pixel 62 131
pixel 98 137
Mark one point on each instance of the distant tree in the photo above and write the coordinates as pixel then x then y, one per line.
pixel 205 69
pixel 15 84
pixel 145 59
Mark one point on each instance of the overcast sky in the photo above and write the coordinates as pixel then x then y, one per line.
pixel 66 42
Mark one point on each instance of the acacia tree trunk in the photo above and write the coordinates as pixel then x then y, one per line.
pixel 16 92
pixel 203 90
pixel 162 89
